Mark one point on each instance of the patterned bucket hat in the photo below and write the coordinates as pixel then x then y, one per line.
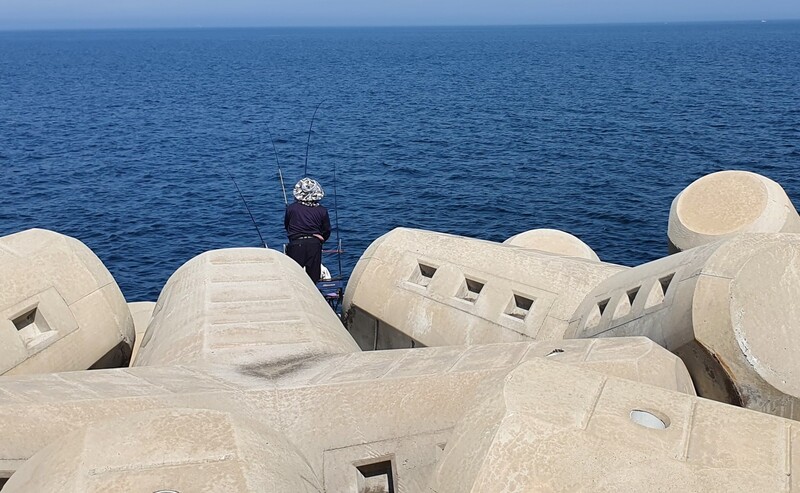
pixel 308 190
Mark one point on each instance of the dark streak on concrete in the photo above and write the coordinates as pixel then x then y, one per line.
pixel 283 367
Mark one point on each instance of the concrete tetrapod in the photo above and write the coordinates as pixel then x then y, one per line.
pixel 243 340
pixel 726 203
pixel 728 309
pixel 352 416
pixel 60 308
pixel 175 450
pixel 553 428
pixel 414 287
pixel 233 306
pixel 553 241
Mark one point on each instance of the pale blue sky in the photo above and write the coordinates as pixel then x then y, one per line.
pixel 38 14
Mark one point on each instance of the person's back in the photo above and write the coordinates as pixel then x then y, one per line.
pixel 308 226
pixel 302 220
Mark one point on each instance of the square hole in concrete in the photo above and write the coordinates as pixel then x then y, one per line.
pixel 423 274
pixel 633 293
pixel 470 290
pixel 665 283
pixel 31 326
pixel 376 477
pixel 602 305
pixel 519 307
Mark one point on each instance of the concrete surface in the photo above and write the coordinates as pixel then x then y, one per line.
pixel 142 313
pixel 229 306
pixel 549 427
pixel 420 288
pixel 341 412
pixel 183 450
pixel 724 204
pixel 728 309
pixel 60 309
pixel 553 241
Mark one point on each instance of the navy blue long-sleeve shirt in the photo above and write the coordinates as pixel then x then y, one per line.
pixel 302 220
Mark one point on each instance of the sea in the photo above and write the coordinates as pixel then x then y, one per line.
pixel 135 141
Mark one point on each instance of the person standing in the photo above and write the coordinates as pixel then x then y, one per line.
pixel 308 226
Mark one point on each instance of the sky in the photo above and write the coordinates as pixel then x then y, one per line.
pixel 81 14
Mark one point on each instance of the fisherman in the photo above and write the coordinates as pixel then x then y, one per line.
pixel 308 226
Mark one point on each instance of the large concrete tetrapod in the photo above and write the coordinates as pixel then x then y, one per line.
pixel 547 427
pixel 170 450
pixel 345 413
pixel 414 287
pixel 728 309
pixel 236 306
pixel 60 309
pixel 726 203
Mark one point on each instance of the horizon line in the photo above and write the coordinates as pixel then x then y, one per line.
pixel 388 26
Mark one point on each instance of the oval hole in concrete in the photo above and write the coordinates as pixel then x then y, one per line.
pixel 648 420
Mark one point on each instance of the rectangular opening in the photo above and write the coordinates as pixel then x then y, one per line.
pixel 423 274
pixel 602 305
pixel 25 321
pixel 470 290
pixel 474 287
pixel 376 477
pixel 519 307
pixel 632 294
pixel 31 326
pixel 522 302
pixel 665 282
pixel 427 271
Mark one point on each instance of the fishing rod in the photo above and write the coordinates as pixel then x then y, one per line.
pixel 336 212
pixel 245 205
pixel 308 143
pixel 280 171
pixel 332 290
pixel 338 250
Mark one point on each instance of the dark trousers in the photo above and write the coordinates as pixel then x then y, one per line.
pixel 308 253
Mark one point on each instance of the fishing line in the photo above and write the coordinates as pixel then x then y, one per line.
pixel 245 205
pixel 305 170
pixel 280 171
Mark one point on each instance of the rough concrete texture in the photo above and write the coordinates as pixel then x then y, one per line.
pixel 342 411
pixel 230 306
pixel 726 203
pixel 553 241
pixel 181 450
pixel 414 287
pixel 142 312
pixel 60 309
pixel 728 309
pixel 550 427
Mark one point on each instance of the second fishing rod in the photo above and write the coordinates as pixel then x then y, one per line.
pixel 338 249
pixel 283 187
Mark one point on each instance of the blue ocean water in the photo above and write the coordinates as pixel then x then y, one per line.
pixel 120 138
